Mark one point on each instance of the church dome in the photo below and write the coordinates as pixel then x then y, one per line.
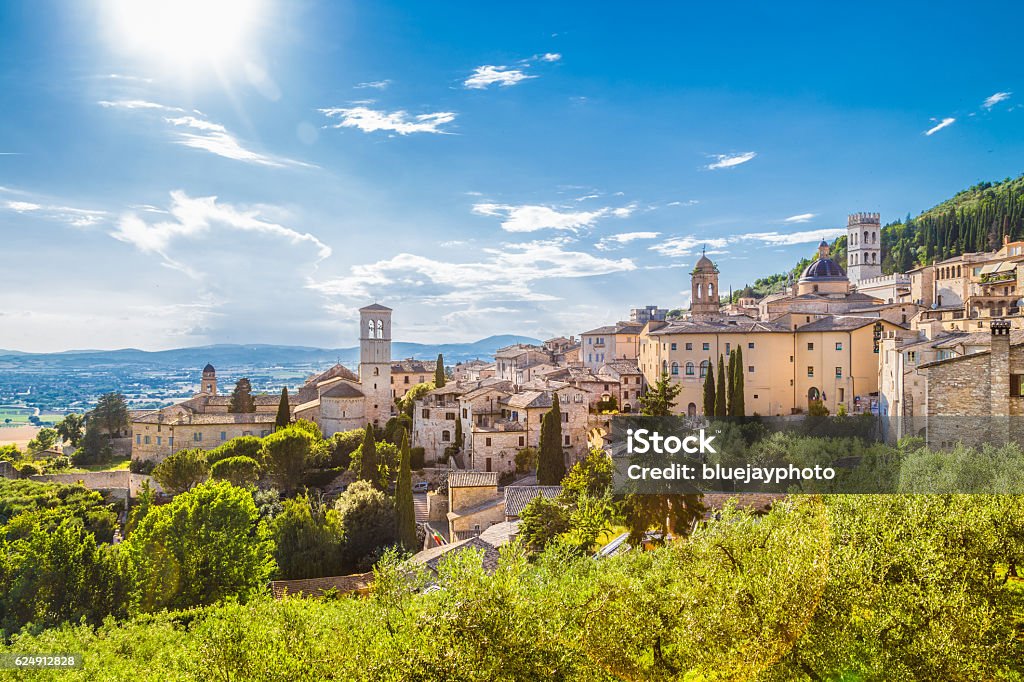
pixel 209 369
pixel 704 264
pixel 823 270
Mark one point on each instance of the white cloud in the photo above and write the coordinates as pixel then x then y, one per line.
pixel 483 76
pixel 679 247
pixel 944 123
pixel 783 239
pixel 370 120
pixel 215 138
pixel 550 57
pixel 136 104
pixel 376 85
pixel 191 218
pixel 995 99
pixel 76 217
pixel 531 218
pixel 22 206
pixel 730 160
pixel 617 240
pixel 800 218
pixel 501 274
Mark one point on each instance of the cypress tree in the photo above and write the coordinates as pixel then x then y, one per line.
pixel 720 390
pixel 284 411
pixel 738 406
pixel 709 390
pixel 405 512
pixel 458 433
pixel 439 377
pixel 368 465
pixel 730 381
pixel 241 398
pixel 551 461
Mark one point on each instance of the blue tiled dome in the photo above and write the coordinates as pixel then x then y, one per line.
pixel 823 270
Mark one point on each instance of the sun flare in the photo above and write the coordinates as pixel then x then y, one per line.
pixel 184 32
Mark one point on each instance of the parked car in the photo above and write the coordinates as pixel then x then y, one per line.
pixel 420 487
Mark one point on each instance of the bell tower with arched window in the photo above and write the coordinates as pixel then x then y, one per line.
pixel 375 361
pixel 704 301
pixel 863 246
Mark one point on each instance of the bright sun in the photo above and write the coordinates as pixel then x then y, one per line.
pixel 184 32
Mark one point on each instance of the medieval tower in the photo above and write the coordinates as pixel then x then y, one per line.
pixel 863 247
pixel 704 302
pixel 375 361
pixel 209 385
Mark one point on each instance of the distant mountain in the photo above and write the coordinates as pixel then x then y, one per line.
pixel 264 355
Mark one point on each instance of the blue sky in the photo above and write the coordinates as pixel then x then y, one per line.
pixel 178 174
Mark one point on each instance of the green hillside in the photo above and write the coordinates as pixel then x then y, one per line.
pixel 975 219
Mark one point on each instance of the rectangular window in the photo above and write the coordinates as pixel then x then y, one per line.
pixel 197 436
pixel 689 346
pixel 1017 385
pixel 465 412
pixel 422 380
pixel 138 439
pixel 750 368
pixel 405 379
pixel 487 442
pixel 842 395
pixel 839 372
pixel 223 435
pixel 674 347
pixel 522 441
pixel 567 441
pixel 450 416
pixel 425 413
pixel 159 440
pixel 810 346
pixel 707 346
pixel 750 345
pixel 146 440
pixel 839 345
pixel 728 348
pixel 810 371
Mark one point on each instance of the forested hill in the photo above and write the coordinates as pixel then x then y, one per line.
pixel 975 219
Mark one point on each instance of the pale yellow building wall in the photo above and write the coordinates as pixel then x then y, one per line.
pixel 154 442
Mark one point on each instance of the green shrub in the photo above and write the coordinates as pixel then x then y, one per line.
pixel 240 471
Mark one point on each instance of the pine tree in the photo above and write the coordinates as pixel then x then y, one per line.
pixel 439 376
pixel 720 390
pixel 405 511
pixel 660 398
pixel 369 469
pixel 551 464
pixel 737 406
pixel 241 398
pixel 284 411
pixel 709 390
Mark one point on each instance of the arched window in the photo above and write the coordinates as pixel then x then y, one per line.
pixel 446 436
pixel 675 369
pixel 700 287
pixel 704 364
pixel 689 369
pixel 380 329
pixel 867 240
pixel 874 257
pixel 376 371
pixel 874 237
pixel 711 290
pixel 664 366
pixel 369 329
pixel 691 410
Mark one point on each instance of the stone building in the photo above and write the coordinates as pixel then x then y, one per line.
pixel 474 503
pixel 408 373
pixel 704 295
pixel 619 341
pixel 863 246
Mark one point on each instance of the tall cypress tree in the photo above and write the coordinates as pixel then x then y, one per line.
pixel 737 406
pixel 730 381
pixel 439 377
pixel 709 390
pixel 241 398
pixel 459 437
pixel 284 410
pixel 551 460
pixel 405 512
pixel 721 409
pixel 369 469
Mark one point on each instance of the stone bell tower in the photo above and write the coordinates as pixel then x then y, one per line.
pixel 704 300
pixel 863 247
pixel 209 384
pixel 375 361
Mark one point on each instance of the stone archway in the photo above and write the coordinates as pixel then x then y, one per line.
pixel 691 410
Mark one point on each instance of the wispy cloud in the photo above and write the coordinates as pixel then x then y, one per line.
pixel 376 85
pixel 615 241
pixel 944 123
pixel 791 238
pixel 484 76
pixel 995 99
pixel 679 247
pixel 800 218
pixel 44 208
pixel 550 57
pixel 194 130
pixel 503 273
pixel 532 217
pixel 729 160
pixel 371 120
pixel 193 217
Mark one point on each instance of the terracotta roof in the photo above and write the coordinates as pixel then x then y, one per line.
pixel 617 328
pixel 719 327
pixel 342 390
pixel 412 366
pixel 517 496
pixel 432 558
pixel 839 323
pixel 335 371
pixel 517 349
pixel 472 479
pixel 315 587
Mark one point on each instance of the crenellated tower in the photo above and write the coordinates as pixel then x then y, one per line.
pixel 863 247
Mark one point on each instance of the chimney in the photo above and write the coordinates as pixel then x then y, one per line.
pixel 999 368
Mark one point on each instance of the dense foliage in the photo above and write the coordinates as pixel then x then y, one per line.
pixel 858 587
